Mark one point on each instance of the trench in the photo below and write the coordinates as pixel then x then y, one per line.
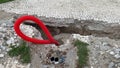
pixel 89 27
pixel 83 27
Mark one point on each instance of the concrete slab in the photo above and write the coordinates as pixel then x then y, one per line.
pixel 104 10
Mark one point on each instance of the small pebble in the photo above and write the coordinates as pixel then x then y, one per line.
pixel 117 56
pixel 1 55
pixel 112 53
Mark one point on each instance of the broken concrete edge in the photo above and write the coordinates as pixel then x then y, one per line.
pixel 83 27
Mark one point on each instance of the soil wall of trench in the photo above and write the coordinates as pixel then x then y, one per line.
pixel 83 27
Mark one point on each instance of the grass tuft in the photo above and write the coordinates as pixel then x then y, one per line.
pixel 82 53
pixel 4 1
pixel 23 51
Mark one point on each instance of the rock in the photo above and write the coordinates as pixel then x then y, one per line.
pixel 10 41
pixel 117 51
pixel 16 61
pixel 1 66
pixel 119 64
pixel 1 29
pixel 2 47
pixel 102 52
pixel 56 62
pixel 96 26
pixel 9 22
pixel 104 46
pixel 91 66
pixel 28 30
pixel 112 53
pixel 8 49
pixel 1 55
pixel 117 56
pixel 111 65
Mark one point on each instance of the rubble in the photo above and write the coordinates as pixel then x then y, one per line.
pixel 102 34
pixel 8 38
pixel 104 52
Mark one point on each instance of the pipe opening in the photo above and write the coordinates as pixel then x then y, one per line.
pixel 56 59
pixel 52 58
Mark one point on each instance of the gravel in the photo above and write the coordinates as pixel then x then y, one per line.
pixel 103 10
pixel 104 52
pixel 8 38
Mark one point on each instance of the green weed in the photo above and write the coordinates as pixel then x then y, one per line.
pixel 23 51
pixel 4 1
pixel 82 53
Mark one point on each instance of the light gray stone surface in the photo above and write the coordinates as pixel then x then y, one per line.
pixel 103 10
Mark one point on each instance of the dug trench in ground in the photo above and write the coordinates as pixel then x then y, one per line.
pixel 41 54
pixel 69 25
pixel 83 27
pixel 59 26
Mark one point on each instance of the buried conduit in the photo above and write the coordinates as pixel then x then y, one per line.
pixel 57 57
pixel 57 60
